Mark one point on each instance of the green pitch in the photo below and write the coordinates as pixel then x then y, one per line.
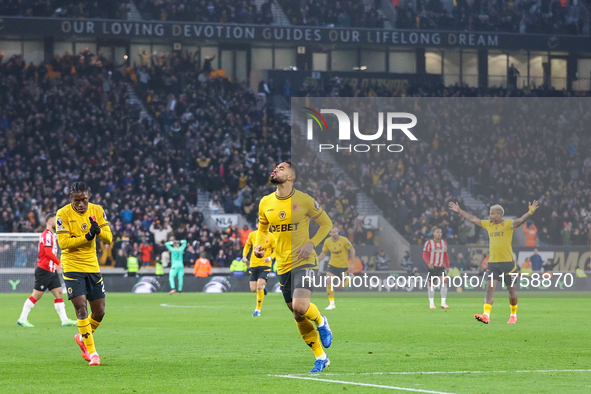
pixel 210 343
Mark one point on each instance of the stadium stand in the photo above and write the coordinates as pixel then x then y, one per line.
pixel 220 11
pixel 332 13
pixel 77 122
pixel 548 16
pixel 145 171
pixel 521 16
pixel 414 191
pixel 111 9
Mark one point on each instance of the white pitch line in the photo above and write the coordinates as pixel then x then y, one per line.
pixel 187 306
pixel 362 384
pixel 446 372
pixel 555 370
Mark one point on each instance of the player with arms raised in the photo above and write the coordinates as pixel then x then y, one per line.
pixel 258 268
pixel 501 261
pixel 341 252
pixel 78 224
pixel 288 212
pixel 46 277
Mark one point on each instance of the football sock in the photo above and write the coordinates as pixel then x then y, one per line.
pixel 330 292
pixel 86 331
pixel 314 314
pixel 181 281
pixel 431 295
pixel 513 310
pixel 443 294
pixel 60 308
pixel 310 335
pixel 29 304
pixel 260 297
pixel 321 357
pixel 94 324
pixel 487 309
pixel 171 282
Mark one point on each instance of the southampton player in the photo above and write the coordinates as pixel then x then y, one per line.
pixel 46 277
pixel 259 268
pixel 288 212
pixel 437 259
pixel 78 224
pixel 341 252
pixel 501 261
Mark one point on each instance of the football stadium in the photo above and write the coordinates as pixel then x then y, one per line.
pixel 272 196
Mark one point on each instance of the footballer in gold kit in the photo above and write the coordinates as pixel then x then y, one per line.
pixel 78 224
pixel 501 262
pixel 341 252
pixel 259 268
pixel 287 213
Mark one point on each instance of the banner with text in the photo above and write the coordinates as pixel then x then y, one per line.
pixel 225 220
pixel 180 31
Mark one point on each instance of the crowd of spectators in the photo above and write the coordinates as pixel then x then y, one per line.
pixel 109 9
pixel 335 193
pixel 522 16
pixel 70 119
pixel 333 13
pixel 216 11
pixel 341 13
pixel 546 160
pixel 231 135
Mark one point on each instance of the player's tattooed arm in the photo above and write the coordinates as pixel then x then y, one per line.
pixel 262 234
pixel 454 206
pixel 352 254
pixel 532 208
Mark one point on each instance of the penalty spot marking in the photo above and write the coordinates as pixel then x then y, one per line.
pixel 444 372
pixel 361 384
pixel 186 306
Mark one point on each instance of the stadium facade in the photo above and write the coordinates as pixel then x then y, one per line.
pixel 476 59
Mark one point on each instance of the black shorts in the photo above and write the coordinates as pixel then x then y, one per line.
pixel 84 283
pixel 45 280
pixel 294 279
pixel 436 271
pixel 257 273
pixel 501 269
pixel 337 271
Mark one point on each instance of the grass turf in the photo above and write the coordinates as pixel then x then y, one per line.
pixel 210 343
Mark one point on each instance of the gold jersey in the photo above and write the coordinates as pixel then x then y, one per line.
pixel 79 254
pixel 339 251
pixel 500 236
pixel 268 247
pixel 289 220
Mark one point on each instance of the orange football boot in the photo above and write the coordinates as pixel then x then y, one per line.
pixel 83 349
pixel 482 318
pixel 95 360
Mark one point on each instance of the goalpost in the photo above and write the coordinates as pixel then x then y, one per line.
pixel 18 259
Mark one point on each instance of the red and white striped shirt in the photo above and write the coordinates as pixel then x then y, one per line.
pixel 436 253
pixel 48 252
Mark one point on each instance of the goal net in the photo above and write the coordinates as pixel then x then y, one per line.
pixel 18 260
